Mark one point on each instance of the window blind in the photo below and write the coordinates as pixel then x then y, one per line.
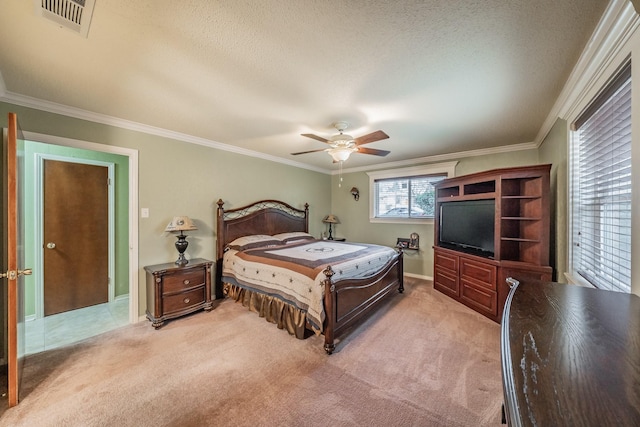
pixel 601 187
pixel 409 197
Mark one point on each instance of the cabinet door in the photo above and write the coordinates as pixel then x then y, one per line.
pixel 446 281
pixel 480 298
pixel 478 286
pixel 482 274
pixel 446 274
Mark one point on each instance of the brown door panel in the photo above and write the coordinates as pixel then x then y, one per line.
pixel 76 270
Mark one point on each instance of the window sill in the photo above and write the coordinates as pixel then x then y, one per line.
pixel 401 220
pixel 577 280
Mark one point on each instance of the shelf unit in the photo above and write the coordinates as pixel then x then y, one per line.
pixel 521 246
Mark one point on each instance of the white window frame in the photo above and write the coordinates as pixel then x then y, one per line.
pixel 572 275
pixel 448 169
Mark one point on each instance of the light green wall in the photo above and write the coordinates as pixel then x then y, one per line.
pixel 554 150
pixel 354 216
pixel 121 202
pixel 179 178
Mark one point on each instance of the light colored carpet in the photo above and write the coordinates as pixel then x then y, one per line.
pixel 421 360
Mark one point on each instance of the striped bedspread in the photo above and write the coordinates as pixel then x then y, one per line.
pixel 293 272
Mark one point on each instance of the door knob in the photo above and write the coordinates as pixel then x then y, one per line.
pixel 13 274
pixel 51 245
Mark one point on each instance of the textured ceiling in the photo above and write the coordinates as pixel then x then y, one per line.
pixel 436 76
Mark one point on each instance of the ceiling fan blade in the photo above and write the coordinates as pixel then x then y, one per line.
pixel 371 137
pixel 373 151
pixel 316 137
pixel 306 152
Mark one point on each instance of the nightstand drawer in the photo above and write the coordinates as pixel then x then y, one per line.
pixel 184 280
pixel 175 290
pixel 179 302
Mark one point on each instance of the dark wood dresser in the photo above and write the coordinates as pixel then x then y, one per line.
pixel 174 290
pixel 476 278
pixel 570 356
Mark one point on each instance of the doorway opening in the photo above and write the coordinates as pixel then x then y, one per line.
pixel 122 305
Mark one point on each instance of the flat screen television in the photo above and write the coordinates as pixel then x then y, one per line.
pixel 468 226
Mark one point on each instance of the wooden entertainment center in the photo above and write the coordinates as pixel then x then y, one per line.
pixel 521 237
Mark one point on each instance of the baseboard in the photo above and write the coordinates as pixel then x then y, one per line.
pixel 419 276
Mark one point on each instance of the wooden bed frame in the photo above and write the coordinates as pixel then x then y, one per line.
pixel 345 301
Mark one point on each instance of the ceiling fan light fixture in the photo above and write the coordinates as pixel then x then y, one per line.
pixel 342 145
pixel 340 154
pixel 342 139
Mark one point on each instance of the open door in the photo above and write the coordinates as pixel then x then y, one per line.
pixel 13 232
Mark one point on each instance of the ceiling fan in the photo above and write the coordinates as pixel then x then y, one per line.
pixel 342 145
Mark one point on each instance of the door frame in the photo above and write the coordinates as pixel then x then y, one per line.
pixel 39 224
pixel 132 154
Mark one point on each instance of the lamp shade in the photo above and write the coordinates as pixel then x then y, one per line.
pixel 181 223
pixel 341 154
pixel 331 219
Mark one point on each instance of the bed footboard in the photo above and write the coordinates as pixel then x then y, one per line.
pixel 347 301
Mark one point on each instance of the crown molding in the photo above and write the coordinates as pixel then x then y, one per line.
pixel 77 113
pixel 52 107
pixel 616 26
pixel 443 157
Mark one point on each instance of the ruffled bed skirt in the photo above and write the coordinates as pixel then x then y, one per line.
pixel 274 310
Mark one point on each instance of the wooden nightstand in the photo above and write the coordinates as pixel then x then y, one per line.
pixel 174 290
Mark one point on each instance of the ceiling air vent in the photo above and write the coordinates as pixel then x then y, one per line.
pixel 72 14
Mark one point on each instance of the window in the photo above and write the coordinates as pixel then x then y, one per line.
pixel 601 188
pixel 406 195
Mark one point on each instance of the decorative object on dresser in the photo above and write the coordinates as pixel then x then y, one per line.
pixel 570 356
pixel 328 286
pixel 173 291
pixel 181 224
pixel 489 226
pixel 331 219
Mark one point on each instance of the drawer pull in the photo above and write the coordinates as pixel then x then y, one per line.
pixel 186 300
pixel 186 282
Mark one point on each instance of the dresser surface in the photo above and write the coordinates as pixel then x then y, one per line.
pixel 570 356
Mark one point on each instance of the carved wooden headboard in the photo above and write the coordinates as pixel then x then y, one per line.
pixel 262 217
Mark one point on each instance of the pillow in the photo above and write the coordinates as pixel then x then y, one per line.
pixel 294 236
pixel 253 241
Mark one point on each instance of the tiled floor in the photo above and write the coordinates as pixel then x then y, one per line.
pixel 66 328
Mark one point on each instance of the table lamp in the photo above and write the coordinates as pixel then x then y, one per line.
pixel 331 219
pixel 181 224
